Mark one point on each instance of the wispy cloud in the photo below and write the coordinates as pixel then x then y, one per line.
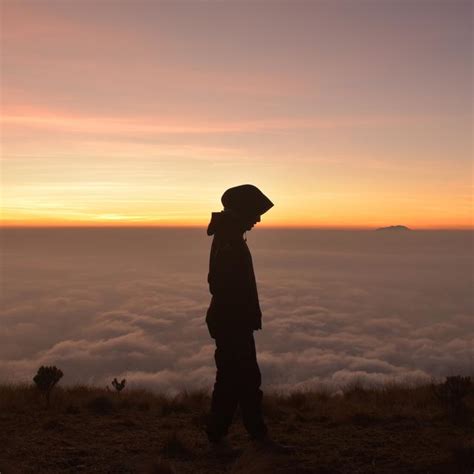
pixel 119 126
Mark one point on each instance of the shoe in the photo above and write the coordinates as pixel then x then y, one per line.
pixel 271 446
pixel 223 448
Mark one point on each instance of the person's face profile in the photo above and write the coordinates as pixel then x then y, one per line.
pixel 251 221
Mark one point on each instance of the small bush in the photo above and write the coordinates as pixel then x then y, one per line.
pixel 451 394
pixel 453 390
pixel 46 378
pixel 119 386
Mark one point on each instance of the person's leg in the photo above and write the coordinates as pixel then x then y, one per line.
pixel 250 395
pixel 224 396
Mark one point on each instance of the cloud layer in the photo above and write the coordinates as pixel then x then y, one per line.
pixel 338 306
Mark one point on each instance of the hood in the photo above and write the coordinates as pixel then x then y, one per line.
pixel 225 222
pixel 247 200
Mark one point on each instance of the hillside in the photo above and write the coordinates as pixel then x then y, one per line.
pixel 395 430
pixel 393 228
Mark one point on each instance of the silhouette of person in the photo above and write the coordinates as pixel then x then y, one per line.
pixel 233 314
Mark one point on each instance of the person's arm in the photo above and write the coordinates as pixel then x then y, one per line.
pixel 229 276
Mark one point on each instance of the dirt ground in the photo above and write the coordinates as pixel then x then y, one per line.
pixel 94 431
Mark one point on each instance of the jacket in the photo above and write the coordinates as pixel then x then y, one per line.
pixel 234 304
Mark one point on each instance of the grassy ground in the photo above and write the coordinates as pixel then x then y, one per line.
pixel 394 430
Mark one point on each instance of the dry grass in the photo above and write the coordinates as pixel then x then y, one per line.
pixel 87 429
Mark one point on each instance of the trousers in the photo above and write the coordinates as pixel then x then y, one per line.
pixel 237 384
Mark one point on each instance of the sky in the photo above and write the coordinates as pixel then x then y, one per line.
pixel 338 306
pixel 347 114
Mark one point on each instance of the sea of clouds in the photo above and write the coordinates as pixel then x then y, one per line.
pixel 338 306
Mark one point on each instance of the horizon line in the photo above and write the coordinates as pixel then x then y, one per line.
pixel 204 226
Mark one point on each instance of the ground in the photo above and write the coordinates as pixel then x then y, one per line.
pixel 85 429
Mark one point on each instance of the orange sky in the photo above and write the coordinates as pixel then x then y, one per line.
pixel 346 114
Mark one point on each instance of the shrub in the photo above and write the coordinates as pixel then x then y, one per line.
pixel 451 394
pixel 119 386
pixel 46 378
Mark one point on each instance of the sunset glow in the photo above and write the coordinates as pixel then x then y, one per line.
pixel 346 114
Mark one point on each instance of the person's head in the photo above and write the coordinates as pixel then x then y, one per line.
pixel 248 202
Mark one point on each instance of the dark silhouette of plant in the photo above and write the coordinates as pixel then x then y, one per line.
pixel 451 394
pixel 46 378
pixel 119 386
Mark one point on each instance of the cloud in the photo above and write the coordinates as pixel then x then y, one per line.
pixel 119 316
pixel 143 126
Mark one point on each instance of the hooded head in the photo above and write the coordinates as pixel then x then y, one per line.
pixel 243 206
pixel 246 200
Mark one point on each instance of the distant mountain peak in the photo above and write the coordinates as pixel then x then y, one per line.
pixel 394 227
